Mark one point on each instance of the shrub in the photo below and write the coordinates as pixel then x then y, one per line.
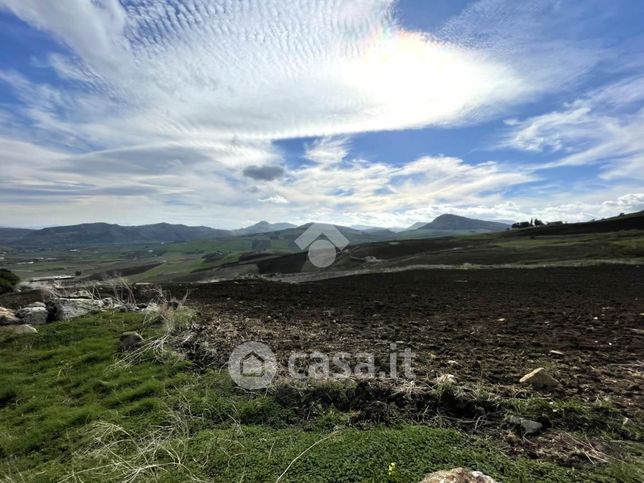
pixel 8 281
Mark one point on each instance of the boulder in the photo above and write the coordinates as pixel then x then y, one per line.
pixel 80 294
pixel 19 329
pixel 457 475
pixel 36 304
pixel 539 379
pixel 7 317
pixel 527 426
pixel 68 308
pixel 130 341
pixel 33 315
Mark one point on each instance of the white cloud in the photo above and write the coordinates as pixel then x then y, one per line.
pixel 604 128
pixel 258 70
pixel 328 150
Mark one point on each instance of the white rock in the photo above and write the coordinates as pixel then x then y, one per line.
pixel 539 379
pixel 20 329
pixel 68 308
pixel 80 294
pixel 36 304
pixel 457 475
pixel 527 426
pixel 7 317
pixel 33 315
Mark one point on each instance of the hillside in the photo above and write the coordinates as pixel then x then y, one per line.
pixel 262 227
pixel 11 234
pixel 105 234
pixel 632 221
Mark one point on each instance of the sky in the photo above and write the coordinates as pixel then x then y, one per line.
pixel 354 112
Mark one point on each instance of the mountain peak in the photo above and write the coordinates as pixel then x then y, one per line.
pixel 449 221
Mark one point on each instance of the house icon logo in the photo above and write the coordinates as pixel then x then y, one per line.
pixel 322 240
pixel 252 365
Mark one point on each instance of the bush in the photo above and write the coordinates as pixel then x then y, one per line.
pixel 8 281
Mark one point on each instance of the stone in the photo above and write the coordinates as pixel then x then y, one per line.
pixel 36 304
pixel 7 317
pixel 20 329
pixel 527 426
pixel 556 353
pixel 80 294
pixel 108 301
pixel 68 308
pixel 457 475
pixel 539 379
pixel 130 341
pixel 33 315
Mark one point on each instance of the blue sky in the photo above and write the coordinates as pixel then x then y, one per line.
pixel 371 112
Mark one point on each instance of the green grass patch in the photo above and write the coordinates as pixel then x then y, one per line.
pixel 68 409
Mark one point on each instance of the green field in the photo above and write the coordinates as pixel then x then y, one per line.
pixel 71 410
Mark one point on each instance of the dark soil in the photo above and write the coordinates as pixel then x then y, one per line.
pixel 483 326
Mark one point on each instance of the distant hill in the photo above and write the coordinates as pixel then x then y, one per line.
pixel 632 221
pixel 262 227
pixel 417 225
pixel 461 223
pixel 11 234
pixel 105 233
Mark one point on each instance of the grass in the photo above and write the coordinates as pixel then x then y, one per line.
pixel 70 412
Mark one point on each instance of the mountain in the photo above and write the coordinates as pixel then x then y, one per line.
pixel 105 233
pixel 262 227
pixel 417 225
pixel 449 222
pixel 11 234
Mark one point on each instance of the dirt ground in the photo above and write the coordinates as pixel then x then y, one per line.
pixel 482 326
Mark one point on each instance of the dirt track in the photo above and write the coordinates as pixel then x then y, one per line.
pixel 487 327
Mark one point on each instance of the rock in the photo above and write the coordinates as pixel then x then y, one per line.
pixel 80 294
pixel 556 353
pixel 108 302
pixel 527 426
pixel 539 379
pixel 130 341
pixel 36 304
pixel 33 315
pixel 7 317
pixel 20 329
pixel 68 308
pixel 457 475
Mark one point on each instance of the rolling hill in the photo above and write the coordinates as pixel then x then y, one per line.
pixel 107 234
pixel 262 227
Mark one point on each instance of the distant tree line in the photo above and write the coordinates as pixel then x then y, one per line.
pixel 8 281
pixel 533 222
